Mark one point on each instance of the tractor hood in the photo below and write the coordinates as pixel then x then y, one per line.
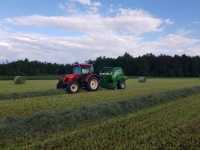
pixel 72 76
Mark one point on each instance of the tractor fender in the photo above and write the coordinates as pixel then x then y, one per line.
pixel 88 77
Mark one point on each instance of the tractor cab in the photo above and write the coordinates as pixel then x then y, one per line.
pixel 82 68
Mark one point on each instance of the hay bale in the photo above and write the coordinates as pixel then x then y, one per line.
pixel 142 79
pixel 19 80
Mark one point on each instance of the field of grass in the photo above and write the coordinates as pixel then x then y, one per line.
pixel 30 105
pixel 175 125
pixel 8 86
pixel 38 105
pixel 44 77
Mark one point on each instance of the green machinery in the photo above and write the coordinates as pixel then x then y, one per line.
pixel 112 78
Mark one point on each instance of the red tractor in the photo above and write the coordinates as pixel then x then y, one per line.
pixel 83 76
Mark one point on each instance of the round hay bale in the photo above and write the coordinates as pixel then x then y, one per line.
pixel 142 79
pixel 19 80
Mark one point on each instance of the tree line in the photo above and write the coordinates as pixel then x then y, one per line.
pixel 146 65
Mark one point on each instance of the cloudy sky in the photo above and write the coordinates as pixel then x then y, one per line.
pixel 65 31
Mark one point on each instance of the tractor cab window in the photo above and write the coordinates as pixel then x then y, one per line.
pixel 80 70
pixel 85 70
pixel 77 70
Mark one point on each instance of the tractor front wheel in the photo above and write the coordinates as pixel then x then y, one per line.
pixel 73 88
pixel 93 84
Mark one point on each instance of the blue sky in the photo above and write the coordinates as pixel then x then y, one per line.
pixel 66 31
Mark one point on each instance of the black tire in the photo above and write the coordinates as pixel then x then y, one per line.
pixel 121 85
pixel 60 84
pixel 93 84
pixel 73 87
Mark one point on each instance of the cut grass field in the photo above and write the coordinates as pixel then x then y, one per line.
pixel 8 86
pixel 175 125
pixel 30 105
pixel 30 114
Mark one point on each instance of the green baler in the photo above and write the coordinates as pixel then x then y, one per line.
pixel 112 78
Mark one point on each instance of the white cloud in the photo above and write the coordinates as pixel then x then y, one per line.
pixel 60 49
pixel 168 21
pixel 83 2
pixel 4 45
pixel 69 8
pixel 101 36
pixel 172 44
pixel 70 49
pixel 125 21
pixel 73 6
pixel 177 41
pixel 196 22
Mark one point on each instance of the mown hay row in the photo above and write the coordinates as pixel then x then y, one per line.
pixel 12 96
pixel 45 122
pixel 47 77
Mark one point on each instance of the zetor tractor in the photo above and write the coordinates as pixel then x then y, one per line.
pixel 112 78
pixel 83 76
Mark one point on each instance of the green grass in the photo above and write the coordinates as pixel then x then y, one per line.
pixel 44 77
pixel 175 125
pixel 41 125
pixel 28 106
pixel 8 87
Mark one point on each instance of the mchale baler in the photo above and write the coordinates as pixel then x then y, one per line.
pixel 83 76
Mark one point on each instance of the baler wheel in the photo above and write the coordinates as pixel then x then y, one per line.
pixel 121 85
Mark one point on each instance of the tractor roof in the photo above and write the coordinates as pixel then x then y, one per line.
pixel 82 65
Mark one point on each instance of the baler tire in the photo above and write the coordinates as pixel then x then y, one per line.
pixel 121 85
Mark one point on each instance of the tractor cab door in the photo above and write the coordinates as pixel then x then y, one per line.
pixel 85 73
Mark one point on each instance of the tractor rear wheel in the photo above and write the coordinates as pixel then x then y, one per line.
pixel 121 85
pixel 93 84
pixel 73 87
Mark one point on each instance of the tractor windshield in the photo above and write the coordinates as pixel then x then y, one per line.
pixel 77 70
pixel 81 70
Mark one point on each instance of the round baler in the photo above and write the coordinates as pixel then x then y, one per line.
pixel 112 78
